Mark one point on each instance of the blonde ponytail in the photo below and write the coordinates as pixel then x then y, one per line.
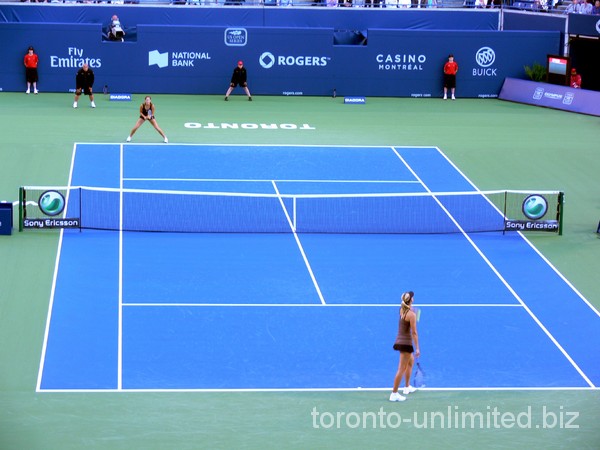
pixel 407 298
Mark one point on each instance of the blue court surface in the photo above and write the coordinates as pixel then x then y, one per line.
pixel 269 311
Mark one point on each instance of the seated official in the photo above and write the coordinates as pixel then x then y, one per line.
pixel 115 30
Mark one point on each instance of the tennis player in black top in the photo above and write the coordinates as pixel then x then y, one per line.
pixel 239 77
pixel 147 114
pixel 83 83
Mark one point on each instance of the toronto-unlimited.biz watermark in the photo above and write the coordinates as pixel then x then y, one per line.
pixel 452 417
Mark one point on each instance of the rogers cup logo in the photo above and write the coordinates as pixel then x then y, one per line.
pixel 236 37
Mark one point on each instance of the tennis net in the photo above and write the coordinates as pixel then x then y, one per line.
pixel 198 212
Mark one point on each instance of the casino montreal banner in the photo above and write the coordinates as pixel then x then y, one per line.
pixel 280 61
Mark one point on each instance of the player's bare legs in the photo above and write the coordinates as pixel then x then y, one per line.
pixel 157 128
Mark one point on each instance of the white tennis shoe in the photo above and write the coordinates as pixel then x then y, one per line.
pixel 409 390
pixel 166 141
pixel 396 397
pixel 128 139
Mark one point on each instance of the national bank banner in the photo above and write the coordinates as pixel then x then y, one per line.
pixel 280 61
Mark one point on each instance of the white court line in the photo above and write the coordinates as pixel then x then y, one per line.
pixel 579 294
pixel 230 180
pixel 294 390
pixel 183 144
pixel 501 278
pixel 120 319
pixel 293 228
pixel 321 305
pixel 54 278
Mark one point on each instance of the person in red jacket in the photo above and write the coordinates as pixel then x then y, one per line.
pixel 450 69
pixel 31 74
pixel 575 79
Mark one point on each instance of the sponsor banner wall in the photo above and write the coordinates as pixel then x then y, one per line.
pixel 584 25
pixel 410 63
pixel 518 20
pixel 280 61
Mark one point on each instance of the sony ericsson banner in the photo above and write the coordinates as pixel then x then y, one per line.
pixel 51 205
pixel 51 223
pixel 534 208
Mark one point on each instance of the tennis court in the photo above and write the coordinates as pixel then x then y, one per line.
pixel 299 311
pixel 48 407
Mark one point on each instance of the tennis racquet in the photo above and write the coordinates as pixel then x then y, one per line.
pixel 417 312
pixel 419 375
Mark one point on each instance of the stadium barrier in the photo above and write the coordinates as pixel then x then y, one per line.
pixel 6 218
pixel 280 61
pixel 553 96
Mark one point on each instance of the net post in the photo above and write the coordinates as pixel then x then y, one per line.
pixel 560 212
pixel 294 212
pixel 504 212
pixel 80 209
pixel 21 207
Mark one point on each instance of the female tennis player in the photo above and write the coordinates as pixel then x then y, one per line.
pixel 407 343
pixel 147 114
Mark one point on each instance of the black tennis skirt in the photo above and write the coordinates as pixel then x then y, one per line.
pixel 403 348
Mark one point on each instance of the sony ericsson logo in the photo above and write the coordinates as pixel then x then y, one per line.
pixel 236 37
pixel 485 57
pixel 598 27
pixel 51 203
pixel 178 59
pixel 268 60
pixel 535 207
